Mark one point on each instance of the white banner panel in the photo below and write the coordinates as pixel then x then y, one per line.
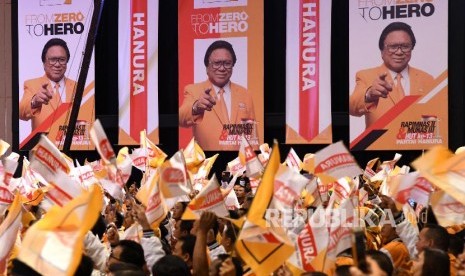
pixel 308 71
pixel 138 70
pixel 47 72
pixel 408 66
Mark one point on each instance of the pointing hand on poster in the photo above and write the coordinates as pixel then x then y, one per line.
pixel 379 88
pixel 205 102
pixel 43 96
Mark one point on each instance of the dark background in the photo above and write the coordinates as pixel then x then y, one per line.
pixel 274 83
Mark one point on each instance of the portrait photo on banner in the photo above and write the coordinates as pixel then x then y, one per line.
pixel 397 93
pixel 218 106
pixel 49 70
pixel 221 95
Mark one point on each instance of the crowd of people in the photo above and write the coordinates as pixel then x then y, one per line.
pixel 207 246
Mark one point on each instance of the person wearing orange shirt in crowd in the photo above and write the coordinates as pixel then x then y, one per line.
pixel 432 236
pixel 210 106
pixel 380 88
pixel 395 249
pixel 42 96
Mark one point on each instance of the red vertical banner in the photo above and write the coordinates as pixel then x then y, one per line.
pixel 236 27
pixel 309 65
pixel 138 68
pixel 308 46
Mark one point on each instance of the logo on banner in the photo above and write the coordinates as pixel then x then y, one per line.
pixel 86 176
pixel 284 193
pixel 390 9
pixel 51 24
pixel 49 160
pixel 307 248
pixel 203 4
pixel 173 175
pixel 154 202
pixel 55 2
pixel 219 23
pixel 6 197
pixel 425 131
pixel 81 135
pixel 106 149
pixel 232 133
pixel 335 161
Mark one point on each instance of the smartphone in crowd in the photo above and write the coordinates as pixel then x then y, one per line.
pixel 225 176
pixel 358 249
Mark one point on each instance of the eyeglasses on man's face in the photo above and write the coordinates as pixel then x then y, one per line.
pixel 227 64
pixel 393 48
pixel 112 256
pixel 61 61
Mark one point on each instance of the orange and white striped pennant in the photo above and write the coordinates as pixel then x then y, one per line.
pixel 101 142
pixel 287 187
pixel 174 177
pixel 194 156
pixel 151 197
pixel 47 159
pixel 208 199
pixel 248 158
pixel 54 244
pixel 155 155
pixel 334 162
pixel 10 227
pixel 293 161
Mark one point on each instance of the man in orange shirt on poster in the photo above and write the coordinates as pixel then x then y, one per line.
pixel 42 96
pixel 379 89
pixel 213 107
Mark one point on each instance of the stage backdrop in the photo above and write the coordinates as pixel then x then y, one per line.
pixel 239 22
pixel 308 71
pixel 419 120
pixel 38 22
pixel 138 70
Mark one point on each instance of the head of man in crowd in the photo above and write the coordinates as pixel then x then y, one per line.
pixel 215 266
pixel 182 228
pixel 129 252
pixel 433 236
pixel 388 233
pixel 242 188
pixel 379 263
pixel 396 44
pixel 184 249
pixel 219 61
pixel 55 57
pixel 229 237
pixel 170 265
pixel 179 209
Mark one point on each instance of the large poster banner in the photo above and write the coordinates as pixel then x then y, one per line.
pixel 308 71
pixel 51 41
pixel 221 73
pixel 398 75
pixel 138 70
